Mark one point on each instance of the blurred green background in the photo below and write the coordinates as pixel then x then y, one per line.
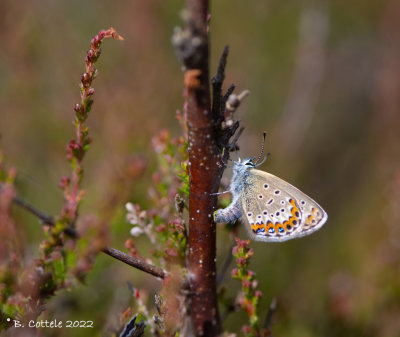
pixel 324 78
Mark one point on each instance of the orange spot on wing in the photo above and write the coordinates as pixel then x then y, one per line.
pixel 257 226
pixel 277 226
pixel 311 217
pixel 269 225
pixel 294 209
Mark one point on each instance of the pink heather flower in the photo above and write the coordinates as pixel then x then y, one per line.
pixel 242 243
pixel 241 261
pixel 246 283
pixel 246 329
pixel 258 294
pixel 235 272
pixel 235 250
pixel 171 252
pixel 64 182
pixel 250 309
pixel 242 301
pixel 161 228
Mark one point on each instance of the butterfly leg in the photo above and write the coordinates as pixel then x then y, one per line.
pixel 220 193
pixel 229 214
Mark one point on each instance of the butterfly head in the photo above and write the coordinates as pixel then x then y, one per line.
pixel 248 162
pixel 242 166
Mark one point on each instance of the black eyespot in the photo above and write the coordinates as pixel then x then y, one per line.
pixel 271 230
pixel 277 192
pixel 260 196
pixel 294 222
pixel 265 212
pixel 270 201
pixel 297 214
pixel 288 227
pixel 303 202
pixel 265 185
pixel 281 230
pixel 277 213
pixel 282 210
pixel 248 214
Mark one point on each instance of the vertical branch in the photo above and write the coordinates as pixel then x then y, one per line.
pixel 192 47
pixel 209 133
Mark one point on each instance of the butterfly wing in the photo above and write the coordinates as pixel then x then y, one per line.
pixel 276 211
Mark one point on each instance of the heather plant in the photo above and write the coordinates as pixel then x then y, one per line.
pixel 63 256
pixel 178 225
pixel 249 296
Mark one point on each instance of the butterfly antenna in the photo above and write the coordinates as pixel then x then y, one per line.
pixel 265 158
pixel 262 150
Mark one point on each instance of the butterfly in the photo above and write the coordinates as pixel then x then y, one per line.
pixel 272 209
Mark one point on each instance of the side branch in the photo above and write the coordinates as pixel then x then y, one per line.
pixel 115 253
pixel 217 81
pixel 134 262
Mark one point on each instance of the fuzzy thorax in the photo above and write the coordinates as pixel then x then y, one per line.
pixel 239 178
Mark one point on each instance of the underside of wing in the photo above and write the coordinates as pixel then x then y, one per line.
pixel 276 211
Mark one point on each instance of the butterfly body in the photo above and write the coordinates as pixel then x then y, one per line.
pixel 271 209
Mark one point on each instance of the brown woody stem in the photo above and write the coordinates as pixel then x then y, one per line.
pixel 205 169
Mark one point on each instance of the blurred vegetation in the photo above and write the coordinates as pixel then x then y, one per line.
pixel 337 62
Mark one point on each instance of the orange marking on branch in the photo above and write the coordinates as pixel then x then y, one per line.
pixel 191 78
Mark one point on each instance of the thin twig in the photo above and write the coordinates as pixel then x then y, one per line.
pixel 134 262
pixel 45 218
pixel 229 91
pixel 219 77
pixel 268 317
pixel 115 253
pixel 233 101
pixel 233 144
pixel 217 81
